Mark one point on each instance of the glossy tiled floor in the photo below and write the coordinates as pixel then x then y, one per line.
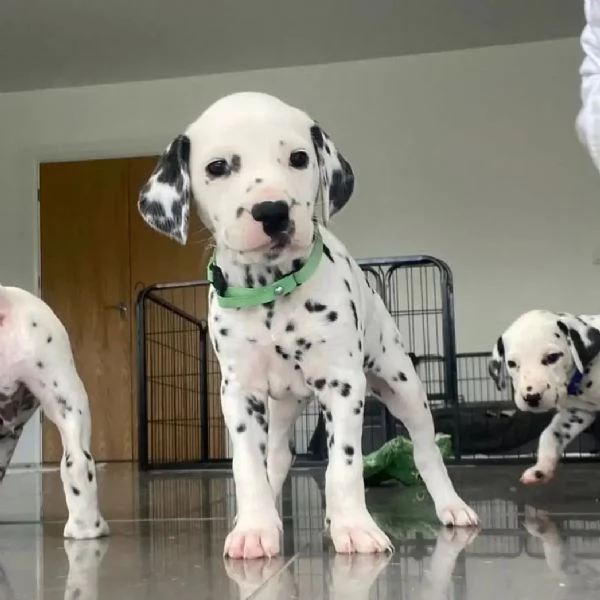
pixel 168 532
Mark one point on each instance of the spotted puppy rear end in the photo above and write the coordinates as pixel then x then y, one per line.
pixel 37 369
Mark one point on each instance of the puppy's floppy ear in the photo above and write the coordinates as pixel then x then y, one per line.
pixel 583 339
pixel 497 365
pixel 337 178
pixel 164 201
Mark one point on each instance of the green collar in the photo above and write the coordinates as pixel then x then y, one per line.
pixel 239 297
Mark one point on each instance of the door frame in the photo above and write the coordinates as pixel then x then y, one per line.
pixel 34 157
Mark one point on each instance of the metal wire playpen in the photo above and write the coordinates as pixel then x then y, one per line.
pixel 180 422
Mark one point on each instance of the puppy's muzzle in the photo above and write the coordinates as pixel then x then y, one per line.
pixel 274 216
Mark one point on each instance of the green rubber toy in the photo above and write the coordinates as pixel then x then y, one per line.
pixel 394 461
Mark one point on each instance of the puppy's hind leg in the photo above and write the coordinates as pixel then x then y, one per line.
pixel 63 399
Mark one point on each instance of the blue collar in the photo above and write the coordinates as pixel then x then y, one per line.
pixel 574 383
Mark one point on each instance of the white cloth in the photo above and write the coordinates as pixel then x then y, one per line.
pixel 588 119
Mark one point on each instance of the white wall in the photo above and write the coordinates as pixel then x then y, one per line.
pixel 470 156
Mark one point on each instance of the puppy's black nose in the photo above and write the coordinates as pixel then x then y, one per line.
pixel 274 216
pixel 533 400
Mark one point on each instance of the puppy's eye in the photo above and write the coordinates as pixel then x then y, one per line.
pixel 218 168
pixel 511 364
pixel 552 358
pixel 299 159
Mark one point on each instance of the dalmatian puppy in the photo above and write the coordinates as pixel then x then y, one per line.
pixel 265 179
pixel 551 360
pixel 37 369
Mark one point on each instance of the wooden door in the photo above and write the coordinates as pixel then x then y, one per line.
pixel 85 278
pixel 97 255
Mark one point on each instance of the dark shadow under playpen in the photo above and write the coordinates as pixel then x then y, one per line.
pixel 180 422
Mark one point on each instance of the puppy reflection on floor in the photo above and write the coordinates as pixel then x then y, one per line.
pixel 84 557
pixel 347 577
pixel 574 573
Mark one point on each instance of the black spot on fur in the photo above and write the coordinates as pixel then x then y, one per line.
pixel 224 331
pixel 236 163
pixel 588 384
pixel 290 326
pixel 312 306
pixel 256 405
pixel 49 339
pixel 248 279
pixel 348 450
pixel 40 364
pixel 316 135
pixel 332 316
pixel 320 383
pixel 87 455
pixel 75 490
pixel 354 313
pixel 90 476
pixel 327 253
pixel 282 352
pixel 402 376
pixel 539 475
pixel 239 212
pixel 345 390
pixel 328 416
pixel 241 428
pixel 263 448
pixel 500 346
pixel 269 319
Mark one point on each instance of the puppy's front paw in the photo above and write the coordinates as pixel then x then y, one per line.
pixel 80 529
pixel 254 538
pixel 536 475
pixel 358 533
pixel 457 513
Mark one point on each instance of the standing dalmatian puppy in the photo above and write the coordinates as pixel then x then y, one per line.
pixel 552 361
pixel 37 368
pixel 291 316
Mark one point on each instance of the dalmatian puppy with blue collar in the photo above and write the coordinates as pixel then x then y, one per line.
pixel 552 361
pixel 291 316
pixel 37 369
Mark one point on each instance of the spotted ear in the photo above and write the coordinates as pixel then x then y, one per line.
pixel 583 339
pixel 337 178
pixel 164 202
pixel 497 365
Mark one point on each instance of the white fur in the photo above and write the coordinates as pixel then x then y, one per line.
pixel 36 357
pixel 330 339
pixel 523 352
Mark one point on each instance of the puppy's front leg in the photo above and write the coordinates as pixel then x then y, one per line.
pixel 257 528
pixel 352 527
pixel 566 425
